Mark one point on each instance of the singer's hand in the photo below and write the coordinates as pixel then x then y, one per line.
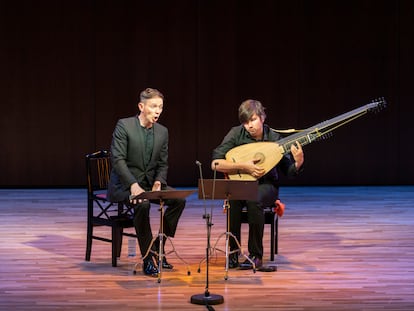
pixel 156 186
pixel 136 190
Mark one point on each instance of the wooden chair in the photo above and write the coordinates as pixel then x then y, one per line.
pixel 272 219
pixel 101 212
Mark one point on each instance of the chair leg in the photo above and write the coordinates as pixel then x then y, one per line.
pixel 116 243
pixel 277 235
pixel 121 233
pixel 89 241
pixel 272 240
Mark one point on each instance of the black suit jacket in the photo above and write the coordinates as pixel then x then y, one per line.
pixel 127 152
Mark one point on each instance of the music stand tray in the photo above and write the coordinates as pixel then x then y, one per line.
pixel 215 189
pixel 163 194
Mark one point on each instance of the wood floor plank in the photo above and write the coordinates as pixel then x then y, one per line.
pixel 340 248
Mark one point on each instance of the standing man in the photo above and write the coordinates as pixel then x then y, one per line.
pixel 139 153
pixel 253 129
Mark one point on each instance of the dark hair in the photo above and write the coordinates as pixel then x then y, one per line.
pixel 250 107
pixel 149 93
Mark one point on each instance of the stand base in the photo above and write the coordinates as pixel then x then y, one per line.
pixel 207 299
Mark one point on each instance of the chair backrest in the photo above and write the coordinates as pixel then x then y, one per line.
pixel 98 170
pixel 100 211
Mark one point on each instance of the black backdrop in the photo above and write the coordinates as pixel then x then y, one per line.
pixel 70 69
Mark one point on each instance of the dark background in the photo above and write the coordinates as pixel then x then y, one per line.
pixel 70 69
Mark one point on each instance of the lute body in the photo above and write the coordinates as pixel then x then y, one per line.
pixel 268 154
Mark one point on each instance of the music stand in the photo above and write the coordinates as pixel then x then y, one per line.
pixel 218 189
pixel 161 196
pixel 227 189
pixel 222 189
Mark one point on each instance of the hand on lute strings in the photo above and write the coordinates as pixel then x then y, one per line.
pixel 297 153
pixel 255 170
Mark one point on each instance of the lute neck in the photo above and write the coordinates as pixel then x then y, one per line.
pixel 323 129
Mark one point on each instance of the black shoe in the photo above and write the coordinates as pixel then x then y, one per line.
pixel 149 268
pixel 233 261
pixel 246 265
pixel 166 264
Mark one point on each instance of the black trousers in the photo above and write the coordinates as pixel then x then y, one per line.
pixel 173 210
pixel 267 195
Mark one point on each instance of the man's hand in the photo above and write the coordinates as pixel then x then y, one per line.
pixel 297 152
pixel 253 169
pixel 156 186
pixel 136 190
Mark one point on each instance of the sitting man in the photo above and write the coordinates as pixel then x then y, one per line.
pixel 252 129
pixel 139 152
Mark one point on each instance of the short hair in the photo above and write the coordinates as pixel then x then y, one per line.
pixel 250 107
pixel 149 93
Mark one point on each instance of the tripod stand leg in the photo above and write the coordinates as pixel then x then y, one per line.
pixel 161 254
pixel 149 250
pixel 176 254
pixel 242 251
pixel 226 269
pixel 228 252
pixel 229 235
pixel 239 249
pixel 211 250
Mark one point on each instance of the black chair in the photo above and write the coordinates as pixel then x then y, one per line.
pixel 101 212
pixel 272 219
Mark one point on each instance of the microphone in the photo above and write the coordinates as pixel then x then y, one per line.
pixel 201 178
pixel 214 181
pixel 205 216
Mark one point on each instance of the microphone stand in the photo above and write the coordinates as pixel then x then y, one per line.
pixel 207 298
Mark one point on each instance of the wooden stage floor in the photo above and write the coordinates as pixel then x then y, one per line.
pixel 340 248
